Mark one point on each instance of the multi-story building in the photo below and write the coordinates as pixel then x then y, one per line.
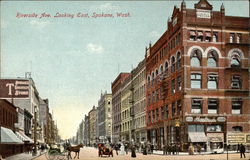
pixel 92 126
pixel 116 106
pixel 86 131
pixel 138 85
pixel 104 117
pixel 126 109
pixel 198 79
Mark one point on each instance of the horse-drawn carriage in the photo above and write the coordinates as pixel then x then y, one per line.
pixel 104 150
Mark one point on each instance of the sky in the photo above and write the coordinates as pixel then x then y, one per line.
pixel 74 60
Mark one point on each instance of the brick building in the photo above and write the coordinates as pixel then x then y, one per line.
pixel 116 106
pixel 198 79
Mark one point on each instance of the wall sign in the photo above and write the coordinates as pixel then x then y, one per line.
pixel 13 88
pixel 203 13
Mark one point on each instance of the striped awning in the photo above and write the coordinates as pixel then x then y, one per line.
pixel 197 137
pixel 23 137
pixel 9 137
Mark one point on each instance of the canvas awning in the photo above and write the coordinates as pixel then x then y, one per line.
pixel 197 137
pixel 192 33
pixel 9 137
pixel 200 34
pixel 23 137
pixel 208 34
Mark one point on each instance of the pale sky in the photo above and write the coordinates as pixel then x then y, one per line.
pixel 73 59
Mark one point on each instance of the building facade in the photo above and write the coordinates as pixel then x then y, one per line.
pixel 116 106
pixel 198 79
pixel 138 128
pixel 92 126
pixel 104 117
pixel 86 140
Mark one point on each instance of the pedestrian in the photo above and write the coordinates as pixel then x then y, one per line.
pixel 238 147
pixel 191 149
pixel 133 154
pixel 242 150
pixel 126 148
pixel 164 149
pixel 116 148
pixel 151 148
pixel 199 149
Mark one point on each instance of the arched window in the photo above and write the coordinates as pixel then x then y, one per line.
pixel 212 59
pixel 173 64
pixel 235 59
pixel 153 77
pixel 196 58
pixel 178 60
pixel 161 69
pixel 148 81
pixel 237 128
pixel 156 72
pixel 166 67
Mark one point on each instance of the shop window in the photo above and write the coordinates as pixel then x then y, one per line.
pixel 208 37
pixel 196 58
pixel 212 81
pixel 231 38
pixel 196 106
pixel 173 86
pixel 200 36
pixel 212 106
pixel 212 59
pixel 178 60
pixel 214 128
pixel 238 39
pixel 192 35
pixel 236 106
pixel 235 59
pixel 215 37
pixel 173 64
pixel 179 83
pixel 237 129
pixel 195 80
pixel 236 82
pixel 195 128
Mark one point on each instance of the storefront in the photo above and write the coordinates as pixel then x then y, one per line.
pixel 235 139
pixel 206 131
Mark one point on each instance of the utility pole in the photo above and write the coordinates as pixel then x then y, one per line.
pixel 35 131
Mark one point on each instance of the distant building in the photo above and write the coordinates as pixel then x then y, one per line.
pixel 86 131
pixel 116 106
pixel 92 126
pixel 104 117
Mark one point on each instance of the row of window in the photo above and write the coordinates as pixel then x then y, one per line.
pixel 212 81
pixel 235 37
pixel 211 128
pixel 205 36
pixel 213 106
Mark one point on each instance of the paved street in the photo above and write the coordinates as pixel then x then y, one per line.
pixel 88 153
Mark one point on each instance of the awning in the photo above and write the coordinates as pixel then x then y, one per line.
pixel 23 137
pixel 208 34
pixel 197 137
pixel 200 34
pixel 192 33
pixel 9 137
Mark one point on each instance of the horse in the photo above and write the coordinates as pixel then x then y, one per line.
pixel 75 149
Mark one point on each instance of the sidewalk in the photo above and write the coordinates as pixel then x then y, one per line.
pixel 25 156
pixel 186 153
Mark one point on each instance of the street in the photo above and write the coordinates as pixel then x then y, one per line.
pixel 88 153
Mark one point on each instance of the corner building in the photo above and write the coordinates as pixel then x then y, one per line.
pixel 198 80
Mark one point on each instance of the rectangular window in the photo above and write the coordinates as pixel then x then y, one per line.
pixel 238 40
pixel 179 83
pixel 195 80
pixel 173 109
pixel 149 100
pixel 231 38
pixel 196 106
pixel 236 82
pixel 212 106
pixel 153 116
pixel 214 128
pixel 162 113
pixel 195 128
pixel 236 106
pixel 157 114
pixel 167 112
pixel 215 36
pixel 200 36
pixel 173 86
pixel 179 107
pixel 212 82
pixel 192 35
pixel 208 37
